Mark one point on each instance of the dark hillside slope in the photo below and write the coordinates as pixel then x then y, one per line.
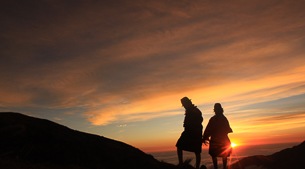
pixel 293 158
pixel 39 141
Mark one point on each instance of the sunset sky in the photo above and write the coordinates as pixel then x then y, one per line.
pixel 119 68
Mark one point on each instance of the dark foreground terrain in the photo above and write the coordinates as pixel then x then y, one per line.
pixel 290 158
pixel 32 143
pixel 28 142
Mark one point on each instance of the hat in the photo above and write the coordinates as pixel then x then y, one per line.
pixel 186 100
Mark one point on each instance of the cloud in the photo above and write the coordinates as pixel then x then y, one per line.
pixel 134 61
pixel 296 117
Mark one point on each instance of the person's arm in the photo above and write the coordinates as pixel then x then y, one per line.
pixel 228 128
pixel 207 133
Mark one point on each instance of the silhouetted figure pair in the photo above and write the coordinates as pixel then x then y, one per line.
pixel 216 134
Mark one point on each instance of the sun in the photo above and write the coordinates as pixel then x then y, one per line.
pixel 233 145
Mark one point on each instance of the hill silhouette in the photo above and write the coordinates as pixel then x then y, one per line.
pixel 288 158
pixel 29 142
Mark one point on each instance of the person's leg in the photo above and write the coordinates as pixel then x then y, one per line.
pixel 198 159
pixel 180 156
pixel 215 162
pixel 224 162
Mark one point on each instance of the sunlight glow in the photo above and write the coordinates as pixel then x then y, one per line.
pixel 233 145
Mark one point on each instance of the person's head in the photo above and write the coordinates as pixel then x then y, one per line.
pixel 218 109
pixel 186 102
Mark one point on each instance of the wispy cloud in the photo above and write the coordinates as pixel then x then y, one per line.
pixel 134 61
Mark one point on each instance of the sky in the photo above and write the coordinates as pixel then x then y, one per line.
pixel 118 68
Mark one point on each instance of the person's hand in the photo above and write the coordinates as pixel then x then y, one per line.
pixel 205 142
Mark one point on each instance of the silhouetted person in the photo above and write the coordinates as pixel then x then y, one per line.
pixel 191 138
pixel 216 133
